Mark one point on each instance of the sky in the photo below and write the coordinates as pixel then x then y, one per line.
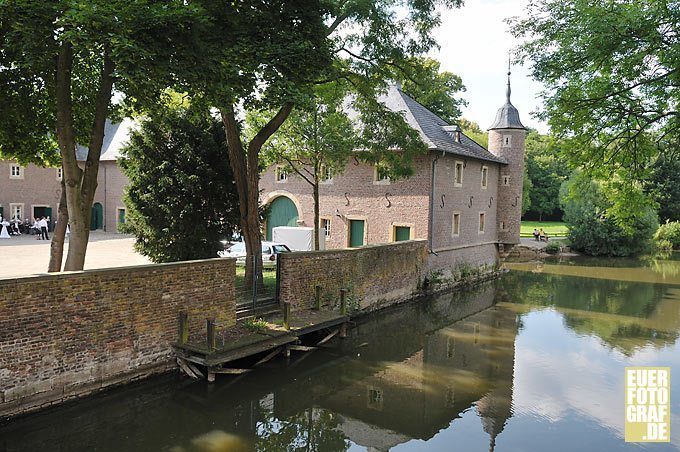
pixel 474 43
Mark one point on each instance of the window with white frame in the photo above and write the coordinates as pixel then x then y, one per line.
pixel 455 225
pixel 60 173
pixel 458 175
pixel 501 225
pixel 482 221
pixel 381 175
pixel 485 177
pixel 281 174
pixel 326 175
pixel 16 171
pixel 326 226
pixel 507 141
pixel 16 211
pixel 506 180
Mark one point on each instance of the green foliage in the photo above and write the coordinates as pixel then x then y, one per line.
pixel 596 227
pixel 255 325
pixel 472 130
pixel 612 71
pixel 669 233
pixel 435 90
pixel 663 184
pixel 547 169
pixel 181 195
pixel 552 248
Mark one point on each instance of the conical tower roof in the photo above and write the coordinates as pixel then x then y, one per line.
pixel 507 116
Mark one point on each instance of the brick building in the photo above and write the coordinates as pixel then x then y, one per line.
pixel 463 199
pixel 33 191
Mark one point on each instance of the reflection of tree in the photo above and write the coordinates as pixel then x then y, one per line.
pixel 311 430
pixel 625 315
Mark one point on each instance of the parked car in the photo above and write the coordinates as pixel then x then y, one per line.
pixel 269 252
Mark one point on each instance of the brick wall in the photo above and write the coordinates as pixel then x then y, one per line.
pixel 469 200
pixel 353 194
pixel 70 334
pixel 375 276
pixel 37 187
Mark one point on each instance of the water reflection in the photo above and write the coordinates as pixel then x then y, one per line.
pixel 533 362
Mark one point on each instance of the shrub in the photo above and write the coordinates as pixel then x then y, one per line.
pixel 553 248
pixel 669 232
pixel 595 230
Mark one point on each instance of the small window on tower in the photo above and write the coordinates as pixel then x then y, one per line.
pixel 506 180
pixel 507 141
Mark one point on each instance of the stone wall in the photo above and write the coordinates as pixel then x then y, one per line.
pixel 353 194
pixel 375 275
pixel 70 334
pixel 463 264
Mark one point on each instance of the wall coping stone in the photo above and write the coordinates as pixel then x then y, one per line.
pixel 94 271
pixel 351 250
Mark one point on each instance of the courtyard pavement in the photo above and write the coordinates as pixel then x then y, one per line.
pixel 25 255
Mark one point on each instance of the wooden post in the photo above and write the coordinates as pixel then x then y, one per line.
pixel 317 298
pixel 210 336
pixel 343 301
pixel 286 315
pixel 183 328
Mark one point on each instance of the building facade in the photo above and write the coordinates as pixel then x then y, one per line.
pixel 28 192
pixel 464 199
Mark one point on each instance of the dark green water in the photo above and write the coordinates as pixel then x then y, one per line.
pixel 534 362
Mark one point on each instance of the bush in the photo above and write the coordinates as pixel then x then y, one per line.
pixel 553 248
pixel 595 231
pixel 668 234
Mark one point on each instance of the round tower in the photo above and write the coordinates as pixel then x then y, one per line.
pixel 506 140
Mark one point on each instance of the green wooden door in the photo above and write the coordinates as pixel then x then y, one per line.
pixel 97 220
pixel 282 212
pixel 402 233
pixel 356 233
pixel 1 212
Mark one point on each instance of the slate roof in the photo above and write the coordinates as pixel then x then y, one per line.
pixel 507 116
pixel 116 136
pixel 432 128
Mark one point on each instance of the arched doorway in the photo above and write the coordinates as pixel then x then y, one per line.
pixel 97 220
pixel 282 212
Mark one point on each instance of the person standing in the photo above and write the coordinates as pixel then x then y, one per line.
pixel 43 229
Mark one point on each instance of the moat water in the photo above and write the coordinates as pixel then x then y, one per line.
pixel 533 362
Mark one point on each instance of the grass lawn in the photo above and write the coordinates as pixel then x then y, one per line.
pixel 268 277
pixel 552 228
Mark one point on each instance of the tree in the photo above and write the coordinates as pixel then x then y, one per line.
pixel 612 72
pixel 318 141
pixel 268 56
pixel 663 185
pixel 547 170
pixel 59 63
pixel 593 226
pixel 433 89
pixel 472 129
pixel 181 197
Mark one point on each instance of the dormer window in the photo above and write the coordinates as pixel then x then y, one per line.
pixel 507 141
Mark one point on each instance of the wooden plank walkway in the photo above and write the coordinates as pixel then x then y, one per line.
pixel 280 335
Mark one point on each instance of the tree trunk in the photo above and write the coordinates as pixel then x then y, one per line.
pixel 244 165
pixel 59 234
pixel 80 184
pixel 317 219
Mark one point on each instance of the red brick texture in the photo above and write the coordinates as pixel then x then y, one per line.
pixel 375 275
pixel 70 334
